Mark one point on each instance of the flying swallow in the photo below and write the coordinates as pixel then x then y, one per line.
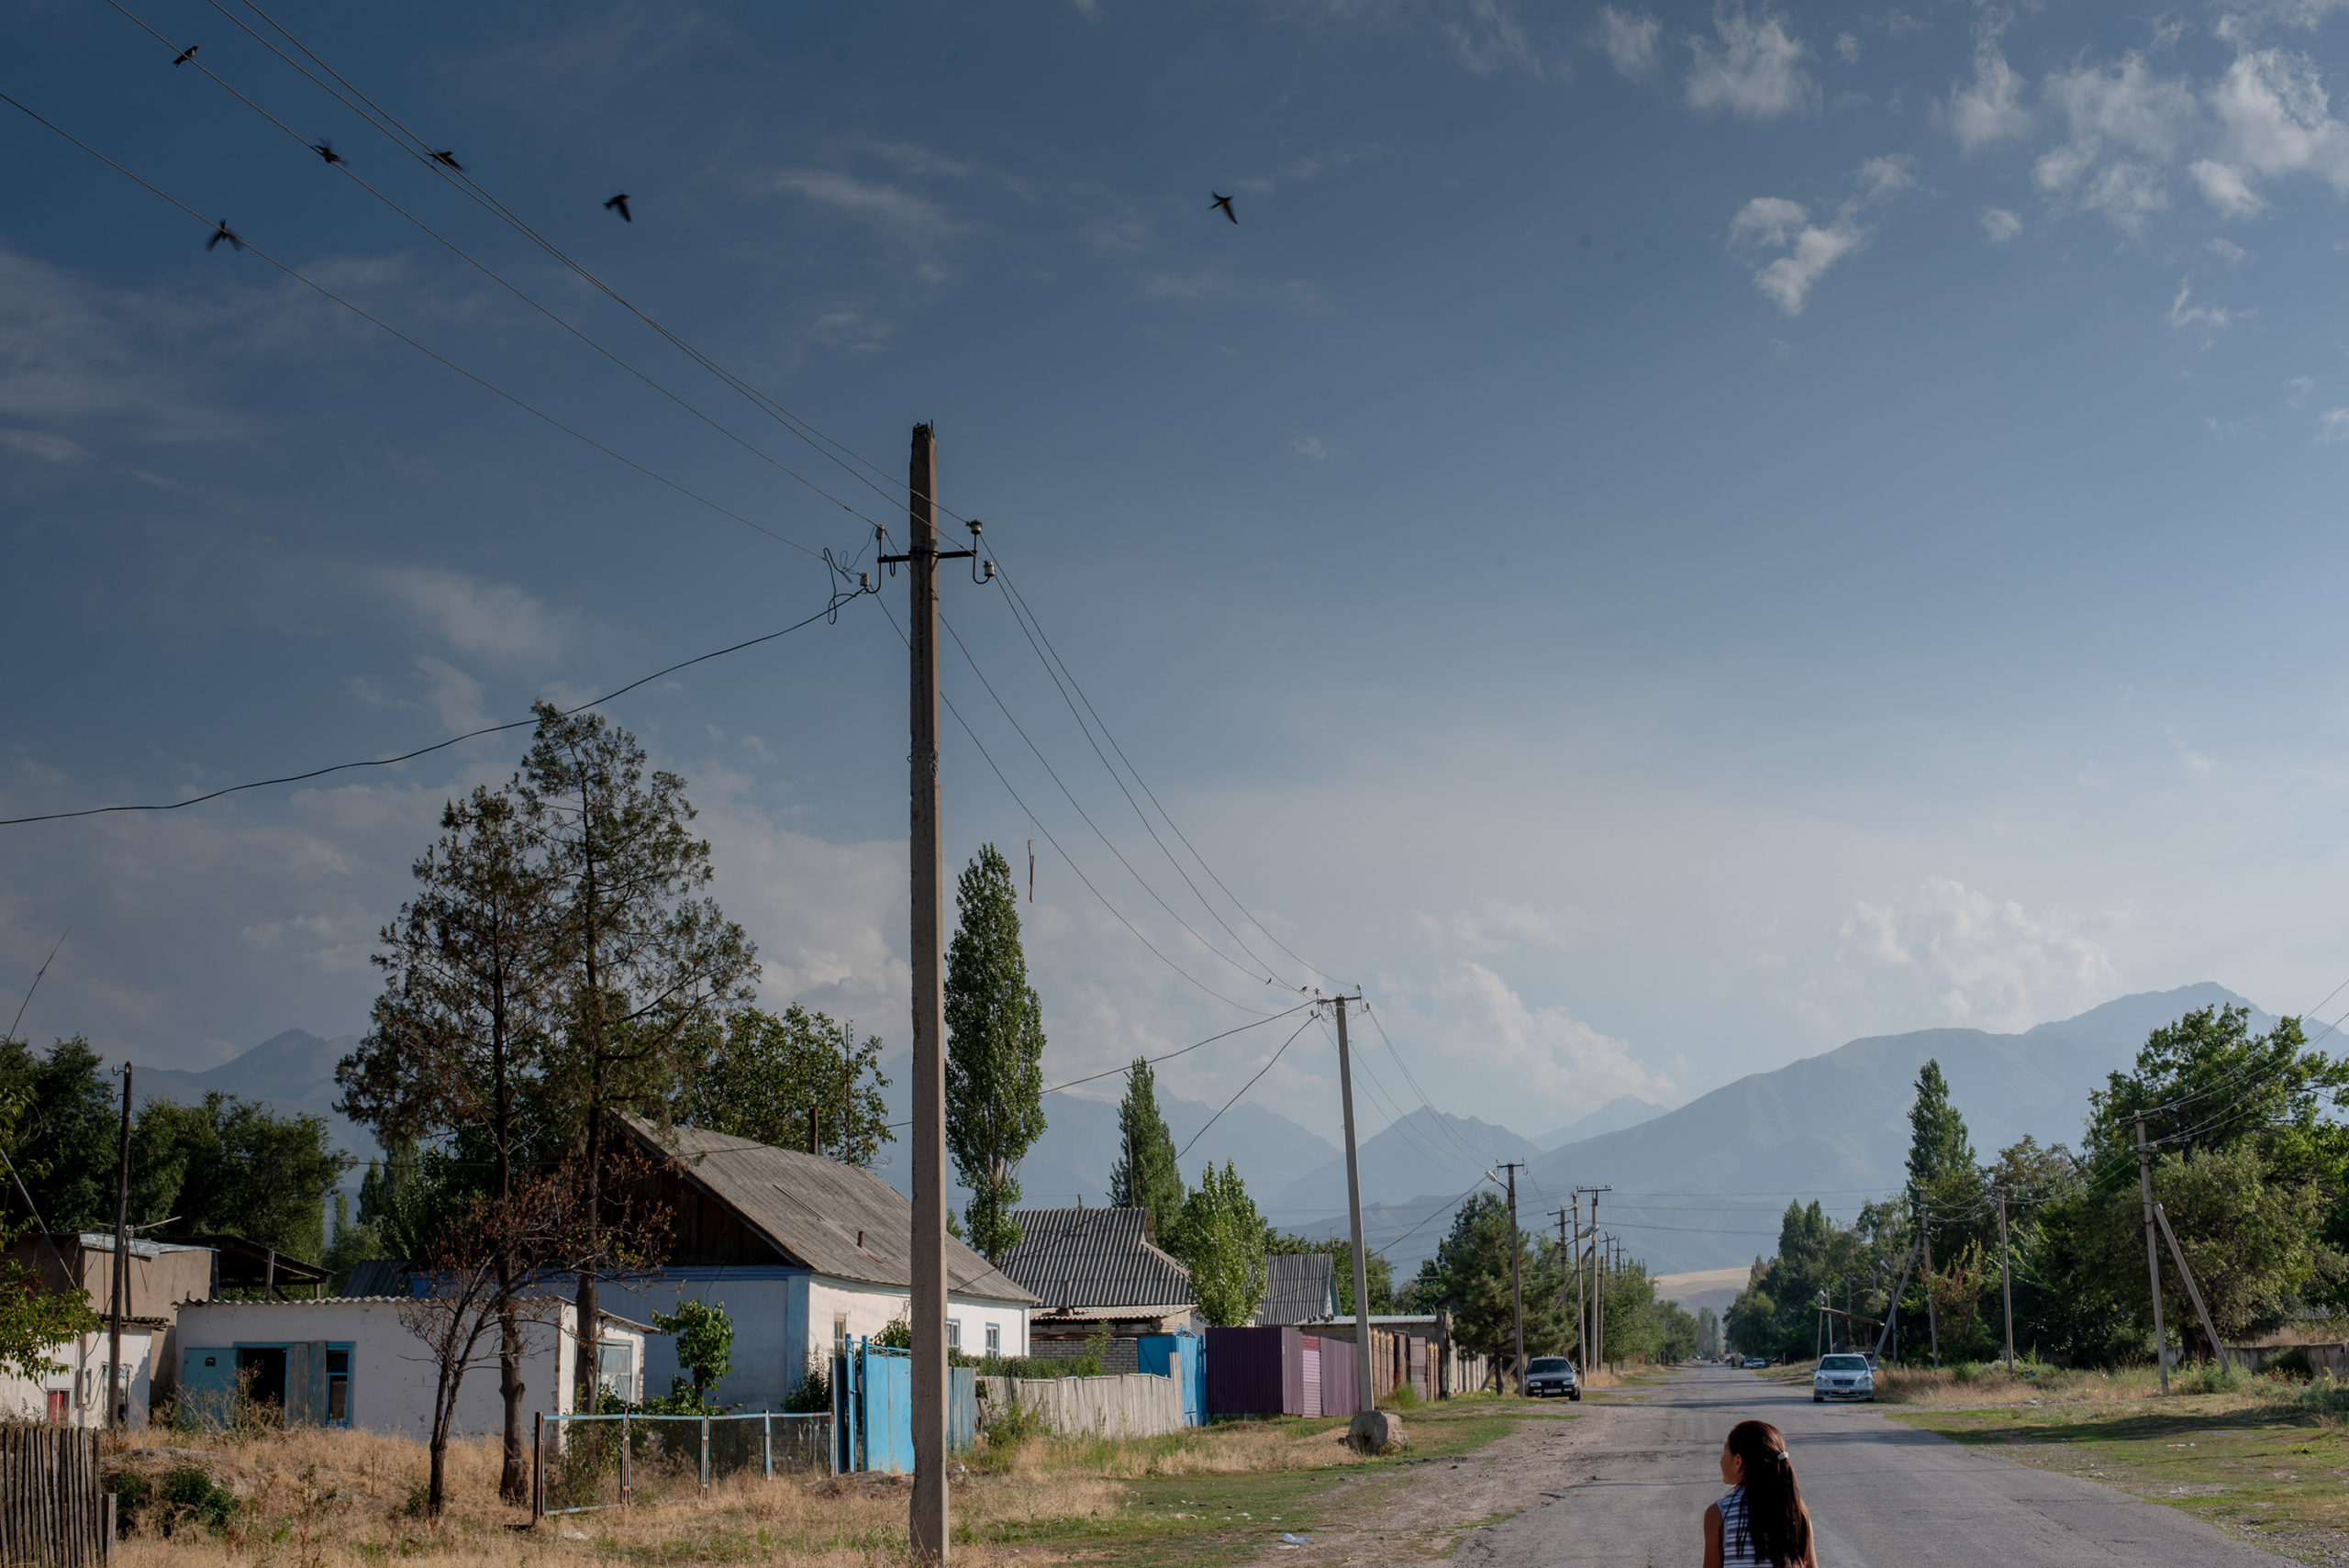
pixel 1225 203
pixel 326 150
pixel 450 159
pixel 224 234
pixel 618 203
pixel 187 54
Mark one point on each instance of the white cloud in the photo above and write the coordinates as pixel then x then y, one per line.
pixel 2332 425
pixel 41 444
pixel 2275 118
pixel 2184 313
pixel 1775 223
pixel 1989 964
pixel 1633 42
pixel 1502 923
pixel 2227 250
pixel 1486 35
pixel 479 617
pixel 2194 761
pixel 1757 71
pixel 1310 447
pixel 2000 224
pixel 1989 109
pixel 452 694
pixel 1545 1052
pixel 1847 48
pixel 2124 123
pixel 2225 188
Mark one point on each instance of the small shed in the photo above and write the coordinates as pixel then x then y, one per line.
pixel 1255 1371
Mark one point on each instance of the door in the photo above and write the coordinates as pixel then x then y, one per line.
pixel 207 1384
pixel 888 1389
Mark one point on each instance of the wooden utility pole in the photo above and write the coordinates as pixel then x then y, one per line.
pixel 1365 1396
pixel 2005 1281
pixel 2152 1252
pixel 1516 1283
pixel 117 1385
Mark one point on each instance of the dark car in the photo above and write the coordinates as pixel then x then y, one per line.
pixel 1548 1377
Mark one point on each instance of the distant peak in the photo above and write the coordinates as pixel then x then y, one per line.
pixel 2132 1017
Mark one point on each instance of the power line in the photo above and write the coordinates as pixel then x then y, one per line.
pixel 829 612
pixel 1267 1067
pixel 1186 1050
pixel 480 381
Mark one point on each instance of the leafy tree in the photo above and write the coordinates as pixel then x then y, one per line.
pixel 460 1030
pixel 994 1051
pixel 230 1167
pixel 1470 1274
pixel 764 1075
pixel 405 1198
pixel 1145 1175
pixel 1708 1333
pixel 705 1336
pixel 1221 1241
pixel 33 1320
pixel 1938 1144
pixel 2206 1082
pixel 646 963
pixel 61 1138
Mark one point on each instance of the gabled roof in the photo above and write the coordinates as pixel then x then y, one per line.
pixel 1299 1287
pixel 1094 1257
pixel 837 1220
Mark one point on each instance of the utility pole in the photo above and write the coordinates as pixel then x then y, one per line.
pixel 1594 1341
pixel 1582 1314
pixel 1561 1215
pixel 1365 1397
pixel 2005 1281
pixel 1515 1285
pixel 1925 1235
pixel 2152 1253
pixel 117 1385
pixel 927 1134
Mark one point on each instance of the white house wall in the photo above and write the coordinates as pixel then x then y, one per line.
pixel 82 1379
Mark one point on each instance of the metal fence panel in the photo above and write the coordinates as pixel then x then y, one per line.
pixel 586 1462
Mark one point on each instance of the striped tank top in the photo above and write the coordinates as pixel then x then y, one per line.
pixel 1737 1542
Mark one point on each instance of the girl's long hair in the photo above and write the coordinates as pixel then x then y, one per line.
pixel 1777 1525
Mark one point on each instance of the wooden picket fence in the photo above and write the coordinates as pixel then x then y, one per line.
pixel 53 1512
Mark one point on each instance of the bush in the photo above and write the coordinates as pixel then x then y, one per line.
pixel 188 1493
pixel 1007 1431
pixel 814 1395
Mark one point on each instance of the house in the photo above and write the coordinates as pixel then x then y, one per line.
pixel 1299 1288
pixel 805 1253
pixel 1096 1269
pixel 358 1362
pixel 162 1275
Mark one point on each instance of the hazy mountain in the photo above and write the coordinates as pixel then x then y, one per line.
pixel 1622 1111
pixel 1071 1163
pixel 1426 1151
pixel 289 1072
pixel 1702 1186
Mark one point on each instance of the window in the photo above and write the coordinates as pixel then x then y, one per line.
pixel 995 1339
pixel 840 1332
pixel 616 1369
pixel 337 1385
pixel 953 1334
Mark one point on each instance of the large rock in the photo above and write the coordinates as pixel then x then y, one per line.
pixel 1376 1432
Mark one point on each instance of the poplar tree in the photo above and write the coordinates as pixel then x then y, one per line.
pixel 1145 1175
pixel 1939 1147
pixel 1221 1242
pixel 994 1052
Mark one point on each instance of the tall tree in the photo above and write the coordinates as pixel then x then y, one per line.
pixel 1939 1146
pixel 647 964
pixel 34 1320
pixel 1470 1274
pixel 994 1051
pixel 1145 1175
pixel 1221 1241
pixel 764 1076
pixel 61 1138
pixel 461 1031
pixel 232 1167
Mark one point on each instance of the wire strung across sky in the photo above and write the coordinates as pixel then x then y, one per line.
pixel 1267 1067
pixel 829 612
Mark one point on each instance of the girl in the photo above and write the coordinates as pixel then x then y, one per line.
pixel 1762 1520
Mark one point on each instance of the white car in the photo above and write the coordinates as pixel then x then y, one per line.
pixel 1843 1377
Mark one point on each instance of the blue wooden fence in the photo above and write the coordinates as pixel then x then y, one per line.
pixel 873 1408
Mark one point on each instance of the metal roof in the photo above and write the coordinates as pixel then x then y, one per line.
pixel 1299 1287
pixel 376 1276
pixel 837 1220
pixel 1094 1257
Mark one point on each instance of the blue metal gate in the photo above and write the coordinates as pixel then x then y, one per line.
pixel 873 1408
pixel 1183 1358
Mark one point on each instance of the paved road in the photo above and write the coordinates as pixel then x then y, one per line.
pixel 1882 1495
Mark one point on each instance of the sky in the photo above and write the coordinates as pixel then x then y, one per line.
pixel 1663 540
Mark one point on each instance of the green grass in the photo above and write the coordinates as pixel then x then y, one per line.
pixel 2261 1468
pixel 1206 1519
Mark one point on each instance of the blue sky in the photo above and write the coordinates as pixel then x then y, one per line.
pixel 1665 539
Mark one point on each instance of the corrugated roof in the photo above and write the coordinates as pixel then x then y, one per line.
pixel 376 1276
pixel 1094 1257
pixel 1299 1287
pixel 837 1220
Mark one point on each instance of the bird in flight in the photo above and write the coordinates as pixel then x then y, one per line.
pixel 326 150
pixel 618 203
pixel 224 234
pixel 450 159
pixel 1225 203
pixel 187 54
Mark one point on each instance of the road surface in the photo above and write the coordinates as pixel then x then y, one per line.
pixel 1634 1490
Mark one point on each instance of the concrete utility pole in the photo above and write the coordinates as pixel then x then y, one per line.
pixel 927 1134
pixel 1925 1237
pixel 1365 1396
pixel 1594 1343
pixel 1561 1215
pixel 2152 1252
pixel 117 1385
pixel 2005 1281
pixel 1515 1285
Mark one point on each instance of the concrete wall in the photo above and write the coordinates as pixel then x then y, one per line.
pixel 392 1373
pixel 1134 1404
pixel 79 1374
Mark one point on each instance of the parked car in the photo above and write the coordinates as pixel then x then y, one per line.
pixel 1843 1377
pixel 1549 1376
pixel 1755 1363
